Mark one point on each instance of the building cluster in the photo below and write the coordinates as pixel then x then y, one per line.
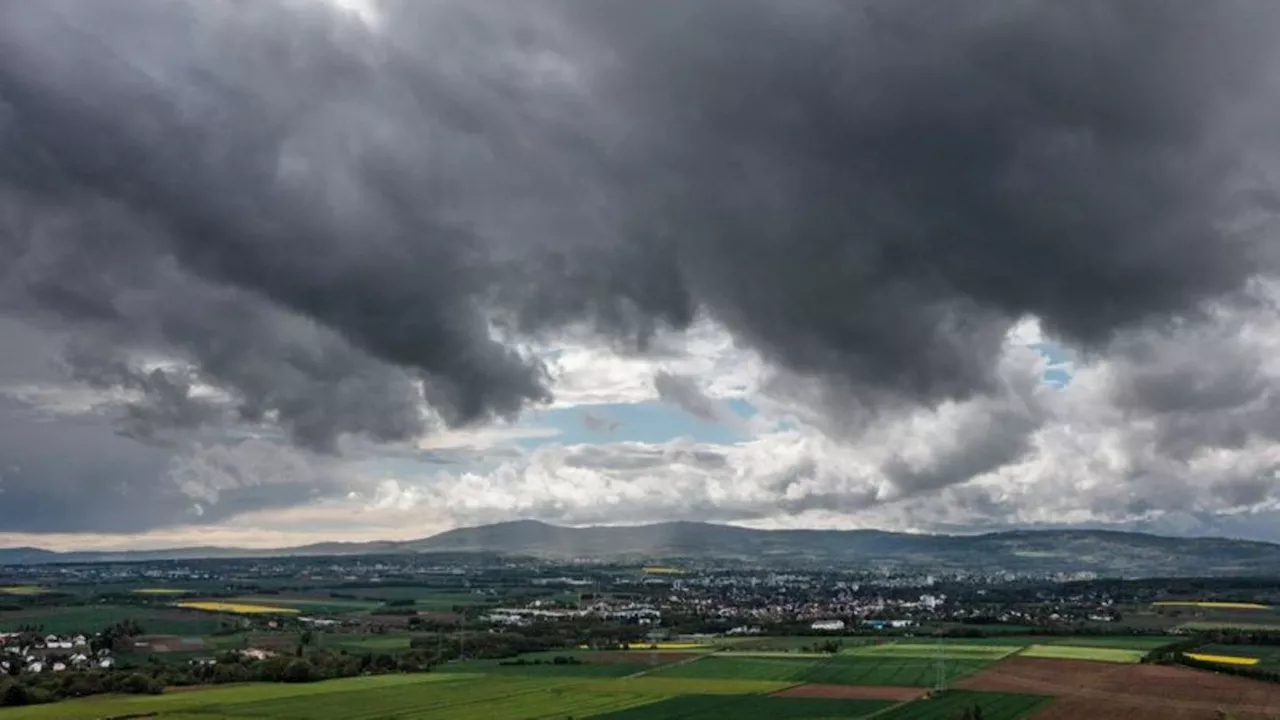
pixel 50 653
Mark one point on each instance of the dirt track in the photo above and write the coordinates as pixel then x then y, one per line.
pixel 1133 692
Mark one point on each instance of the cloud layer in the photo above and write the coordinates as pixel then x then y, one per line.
pixel 241 227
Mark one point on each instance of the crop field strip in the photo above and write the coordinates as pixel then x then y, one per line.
pixel 715 707
pixel 77 618
pixel 1266 655
pixel 846 669
pixel 1075 652
pixel 932 650
pixel 995 706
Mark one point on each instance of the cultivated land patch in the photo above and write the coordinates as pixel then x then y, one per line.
pixel 902 672
pixel 1133 692
pixel 22 590
pixel 833 670
pixel 1212 605
pixel 948 705
pixel 540 669
pixel 742 668
pixel 774 707
pixel 68 619
pixel 859 692
pixel 160 591
pixel 1134 642
pixel 1074 652
pixel 307 604
pixel 236 608
pixel 924 650
pixel 1266 655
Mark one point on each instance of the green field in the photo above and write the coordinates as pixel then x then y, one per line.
pixel 953 651
pixel 1134 642
pixel 742 668
pixel 1072 652
pixel 306 604
pixel 905 672
pixel 790 643
pixel 430 696
pixel 1268 655
pixel 1197 625
pixel 361 643
pixel 546 669
pixel 995 706
pixel 93 618
pixel 845 669
pixel 715 707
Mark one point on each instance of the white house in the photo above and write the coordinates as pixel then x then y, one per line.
pixel 828 625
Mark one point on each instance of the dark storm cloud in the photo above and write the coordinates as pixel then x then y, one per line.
pixel 869 193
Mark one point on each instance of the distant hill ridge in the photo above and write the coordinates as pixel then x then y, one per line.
pixel 1105 552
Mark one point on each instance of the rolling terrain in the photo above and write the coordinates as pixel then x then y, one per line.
pixel 1121 554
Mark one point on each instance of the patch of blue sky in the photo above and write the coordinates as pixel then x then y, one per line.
pixel 1058 371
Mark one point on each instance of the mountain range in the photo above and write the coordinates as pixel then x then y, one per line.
pixel 1107 553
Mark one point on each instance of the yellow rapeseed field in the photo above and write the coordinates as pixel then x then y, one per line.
pixel 1212 605
pixel 663 570
pixel 232 607
pixel 1223 659
pixel 21 590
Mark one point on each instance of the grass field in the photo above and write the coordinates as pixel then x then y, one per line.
pixel 93 618
pixel 715 707
pixel 1072 652
pixel 236 608
pixel 995 706
pixel 159 591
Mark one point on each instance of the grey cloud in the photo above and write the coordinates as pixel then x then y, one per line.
pixel 80 475
pixel 869 194
pixel 684 392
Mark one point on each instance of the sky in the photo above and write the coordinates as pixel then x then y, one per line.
pixel 294 271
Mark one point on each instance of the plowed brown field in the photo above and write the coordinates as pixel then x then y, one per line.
pixel 852 692
pixel 1132 692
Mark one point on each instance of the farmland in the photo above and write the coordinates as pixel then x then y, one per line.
pixel 22 590
pixel 1266 655
pixel 236 608
pixel 445 696
pixel 953 651
pixel 833 670
pixel 91 618
pixel 1144 692
pixel 1074 652
pixel 1207 605
pixel 712 707
pixel 994 706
